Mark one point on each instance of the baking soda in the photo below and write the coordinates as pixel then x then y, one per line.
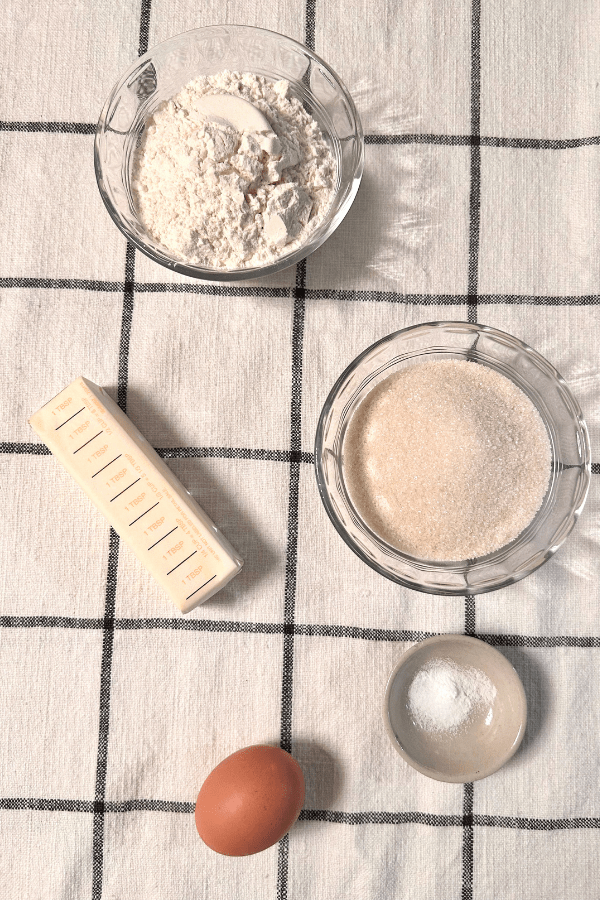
pixel 447 460
pixel 443 696
pixel 221 196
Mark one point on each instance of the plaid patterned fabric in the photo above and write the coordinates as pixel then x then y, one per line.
pixel 479 201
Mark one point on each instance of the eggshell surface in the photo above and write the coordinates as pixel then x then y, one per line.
pixel 249 801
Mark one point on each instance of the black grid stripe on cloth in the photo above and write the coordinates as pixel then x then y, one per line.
pixel 344 295
pixel 470 140
pixel 335 817
pixel 113 560
pixel 284 456
pixel 104 716
pixel 475 163
pixel 352 632
pixel 315 815
pixel 470 616
pixel 447 821
pixel 448 140
pixel 291 561
pixel 472 285
pixel 49 127
pixel 109 610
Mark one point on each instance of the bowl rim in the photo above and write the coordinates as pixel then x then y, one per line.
pixel 517 684
pixel 243 274
pixel 543 555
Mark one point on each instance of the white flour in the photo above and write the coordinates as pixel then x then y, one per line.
pixel 443 695
pixel 223 198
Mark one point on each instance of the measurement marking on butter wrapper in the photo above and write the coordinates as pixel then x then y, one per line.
pixel 200 588
pixel 107 465
pixel 163 537
pixel 182 562
pixel 69 419
pixel 126 489
pixel 144 513
pixel 87 442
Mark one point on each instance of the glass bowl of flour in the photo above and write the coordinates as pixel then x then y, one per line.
pixel 228 153
pixel 452 458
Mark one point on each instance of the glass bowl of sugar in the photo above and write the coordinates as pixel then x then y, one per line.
pixel 452 458
pixel 228 153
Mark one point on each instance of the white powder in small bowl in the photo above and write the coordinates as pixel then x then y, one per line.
pixel 222 196
pixel 447 460
pixel 444 696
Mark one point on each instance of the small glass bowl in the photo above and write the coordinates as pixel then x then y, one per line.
pixel 486 741
pixel 560 412
pixel 165 69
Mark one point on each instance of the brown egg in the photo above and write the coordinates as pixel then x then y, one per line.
pixel 249 801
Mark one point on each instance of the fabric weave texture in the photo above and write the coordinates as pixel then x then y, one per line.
pixel 479 202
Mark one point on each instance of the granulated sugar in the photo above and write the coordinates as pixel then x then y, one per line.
pixel 443 696
pixel 231 195
pixel 447 460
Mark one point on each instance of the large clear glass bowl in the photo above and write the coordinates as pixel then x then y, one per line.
pixel 560 412
pixel 168 67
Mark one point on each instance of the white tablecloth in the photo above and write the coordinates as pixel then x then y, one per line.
pixel 479 201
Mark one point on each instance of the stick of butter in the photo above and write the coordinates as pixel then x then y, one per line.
pixel 137 492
